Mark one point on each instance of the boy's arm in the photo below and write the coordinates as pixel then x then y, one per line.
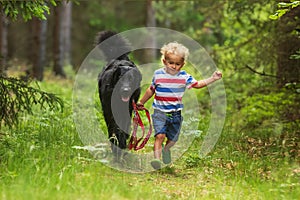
pixel 202 83
pixel 148 94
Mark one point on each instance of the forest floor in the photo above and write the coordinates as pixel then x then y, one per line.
pixel 38 161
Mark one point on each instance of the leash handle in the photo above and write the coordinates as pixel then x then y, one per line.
pixel 137 121
pixel 148 134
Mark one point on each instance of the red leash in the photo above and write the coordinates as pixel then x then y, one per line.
pixel 137 121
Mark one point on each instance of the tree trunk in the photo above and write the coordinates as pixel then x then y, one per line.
pixel 288 69
pixel 150 54
pixel 289 43
pixel 43 37
pixel 58 43
pixel 67 23
pixel 38 57
pixel 3 44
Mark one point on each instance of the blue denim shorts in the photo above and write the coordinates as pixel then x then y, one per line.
pixel 167 123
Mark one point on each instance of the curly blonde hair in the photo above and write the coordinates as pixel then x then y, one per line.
pixel 174 48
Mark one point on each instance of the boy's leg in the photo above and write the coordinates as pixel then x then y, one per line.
pixel 159 139
pixel 166 153
pixel 172 135
pixel 169 144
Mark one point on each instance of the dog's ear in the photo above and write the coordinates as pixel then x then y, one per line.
pixel 115 76
pixel 137 75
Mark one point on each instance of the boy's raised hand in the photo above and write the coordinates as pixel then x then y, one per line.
pixel 217 75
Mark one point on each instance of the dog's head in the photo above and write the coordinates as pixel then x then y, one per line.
pixel 126 89
pixel 127 80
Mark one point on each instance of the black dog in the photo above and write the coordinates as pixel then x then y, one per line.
pixel 118 85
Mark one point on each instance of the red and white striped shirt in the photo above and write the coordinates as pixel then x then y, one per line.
pixel 169 89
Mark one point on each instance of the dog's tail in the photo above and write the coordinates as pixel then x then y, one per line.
pixel 113 45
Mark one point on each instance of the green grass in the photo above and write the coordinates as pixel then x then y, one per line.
pixel 37 161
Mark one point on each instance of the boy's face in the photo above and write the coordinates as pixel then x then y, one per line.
pixel 173 63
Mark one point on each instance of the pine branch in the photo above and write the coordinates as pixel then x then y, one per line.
pixel 17 96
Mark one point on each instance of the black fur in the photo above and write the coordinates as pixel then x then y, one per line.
pixel 119 85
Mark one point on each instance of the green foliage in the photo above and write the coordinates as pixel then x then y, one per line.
pixel 192 161
pixel 115 16
pixel 249 28
pixel 198 23
pixel 18 97
pixel 296 55
pixel 284 8
pixel 27 9
pixel 259 108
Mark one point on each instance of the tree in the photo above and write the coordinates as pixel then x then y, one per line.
pixel 37 12
pixel 150 54
pixel 289 42
pixel 3 43
pixel 62 37
pixel 11 10
pixel 67 24
pixel 58 54
pixel 16 95
pixel 256 55
pixel 38 53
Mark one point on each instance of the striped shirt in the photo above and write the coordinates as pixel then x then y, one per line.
pixel 169 89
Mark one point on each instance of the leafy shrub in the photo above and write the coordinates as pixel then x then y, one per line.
pixel 276 106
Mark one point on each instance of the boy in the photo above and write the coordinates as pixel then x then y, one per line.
pixel 168 85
